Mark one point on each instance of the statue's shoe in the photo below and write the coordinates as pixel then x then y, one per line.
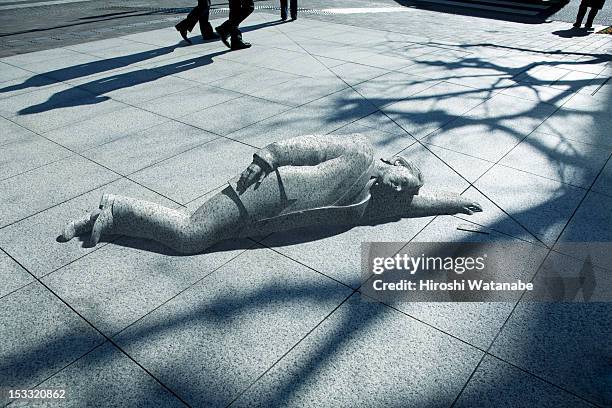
pixel 79 226
pixel 106 200
pixel 104 221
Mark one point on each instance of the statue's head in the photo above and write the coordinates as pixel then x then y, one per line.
pixel 399 174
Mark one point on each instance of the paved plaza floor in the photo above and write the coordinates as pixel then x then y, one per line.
pixel 515 116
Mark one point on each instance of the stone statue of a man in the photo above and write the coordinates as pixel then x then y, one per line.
pixel 304 181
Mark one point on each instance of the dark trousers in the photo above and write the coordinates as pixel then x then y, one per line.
pixel 239 10
pixel 199 14
pixel 582 11
pixel 292 7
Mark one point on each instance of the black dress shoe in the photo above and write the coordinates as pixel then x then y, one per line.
pixel 183 31
pixel 238 44
pixel 224 35
pixel 210 36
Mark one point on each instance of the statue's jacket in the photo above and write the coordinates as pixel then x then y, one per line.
pixel 311 180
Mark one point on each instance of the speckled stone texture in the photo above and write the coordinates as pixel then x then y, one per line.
pixel 311 180
pixel 515 117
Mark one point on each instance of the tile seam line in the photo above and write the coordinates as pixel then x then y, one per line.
pixel 127 103
pixel 119 176
pixel 100 332
pixel 469 379
pixel 421 143
pixel 544 380
pixel 241 393
pixel 549 251
pixel 408 314
pixel 186 288
pixel 96 347
pixel 143 63
pixel 127 176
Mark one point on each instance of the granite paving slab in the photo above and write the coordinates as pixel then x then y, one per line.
pixel 134 86
pixel 106 377
pixel 40 336
pixel 255 79
pixel 24 84
pixel 603 184
pixel 188 101
pixel 476 323
pixel 369 355
pixel 590 225
pixel 41 56
pixel 321 116
pixel 530 341
pixel 497 383
pixel 544 207
pixel 587 126
pixel 127 279
pixel 13 276
pixel 385 144
pixel 353 74
pixel 27 153
pixel 203 69
pixel 495 217
pixel 434 107
pixel 41 188
pixel 558 158
pixel 301 90
pixel 508 112
pixel 336 250
pixel 232 326
pixel 32 241
pixel 195 172
pixel 232 115
pixel 10 72
pixel 136 151
pixel 393 87
pixel 12 133
pixel 101 129
pixel 445 169
pixel 474 137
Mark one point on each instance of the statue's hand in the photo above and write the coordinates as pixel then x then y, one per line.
pixel 253 174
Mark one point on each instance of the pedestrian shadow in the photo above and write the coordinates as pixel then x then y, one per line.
pixel 97 89
pixel 572 32
pixel 89 68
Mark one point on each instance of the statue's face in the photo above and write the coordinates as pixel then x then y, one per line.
pixel 401 178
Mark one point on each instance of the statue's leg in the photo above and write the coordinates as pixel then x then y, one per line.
pixel 138 218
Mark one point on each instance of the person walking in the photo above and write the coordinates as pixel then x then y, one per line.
pixel 292 8
pixel 595 6
pixel 200 13
pixel 239 10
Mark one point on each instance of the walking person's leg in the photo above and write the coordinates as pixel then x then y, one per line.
pixel 293 8
pixel 581 12
pixel 225 29
pixel 205 28
pixel 189 22
pixel 246 8
pixel 284 9
pixel 591 17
